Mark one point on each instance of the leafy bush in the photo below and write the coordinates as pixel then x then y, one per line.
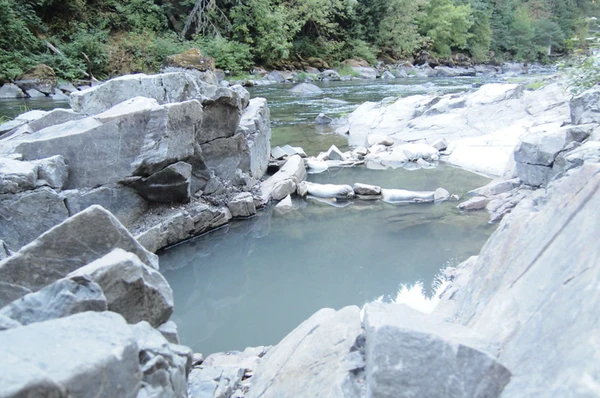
pixel 142 51
pixel 360 49
pixel 229 55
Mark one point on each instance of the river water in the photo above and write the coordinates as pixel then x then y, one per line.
pixel 252 282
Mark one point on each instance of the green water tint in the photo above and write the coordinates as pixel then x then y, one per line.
pixel 14 107
pixel 254 281
pixel 293 115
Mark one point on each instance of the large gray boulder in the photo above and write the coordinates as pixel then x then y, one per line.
pixel 62 298
pixel 532 289
pixel 171 184
pixel 18 227
pixel 410 354
pixel 164 88
pixel 137 138
pixel 290 175
pixel 446 71
pixel 248 149
pixel 536 153
pixel 365 72
pixel 585 107
pixel 255 125
pixel 314 360
pixel 76 242
pixel 164 366
pixel 123 202
pixel 306 89
pixel 17 176
pixel 92 354
pixel 11 91
pixel 132 289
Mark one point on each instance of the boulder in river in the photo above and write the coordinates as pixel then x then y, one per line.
pixel 306 89
pixel 41 78
pixel 11 91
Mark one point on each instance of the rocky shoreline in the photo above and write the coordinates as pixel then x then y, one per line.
pixel 172 156
pixel 41 81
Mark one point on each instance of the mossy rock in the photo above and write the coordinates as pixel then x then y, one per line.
pixel 192 59
pixel 355 62
pixel 317 63
pixel 41 77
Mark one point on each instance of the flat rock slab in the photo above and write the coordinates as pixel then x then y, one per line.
pixel 410 354
pixel 541 265
pixel 70 245
pixel 164 88
pixel 312 360
pixel 139 137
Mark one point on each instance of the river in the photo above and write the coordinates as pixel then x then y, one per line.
pixel 253 281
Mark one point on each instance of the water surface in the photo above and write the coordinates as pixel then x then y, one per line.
pixel 254 281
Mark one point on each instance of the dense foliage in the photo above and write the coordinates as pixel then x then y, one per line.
pixel 109 37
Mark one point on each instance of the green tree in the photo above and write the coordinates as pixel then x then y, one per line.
pixel 447 25
pixel 268 28
pixel 398 32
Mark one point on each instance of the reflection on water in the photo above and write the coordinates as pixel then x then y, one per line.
pixel 254 281
pixel 13 107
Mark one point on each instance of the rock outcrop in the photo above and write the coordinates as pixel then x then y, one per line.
pixel 132 144
pixel 479 137
pixel 529 289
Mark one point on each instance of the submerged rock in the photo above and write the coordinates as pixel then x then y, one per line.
pixel 330 190
pixel 306 89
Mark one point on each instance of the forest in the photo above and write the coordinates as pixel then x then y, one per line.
pixel 113 37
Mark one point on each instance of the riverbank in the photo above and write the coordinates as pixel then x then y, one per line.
pixel 42 82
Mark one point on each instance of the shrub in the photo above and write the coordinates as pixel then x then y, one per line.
pixel 229 55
